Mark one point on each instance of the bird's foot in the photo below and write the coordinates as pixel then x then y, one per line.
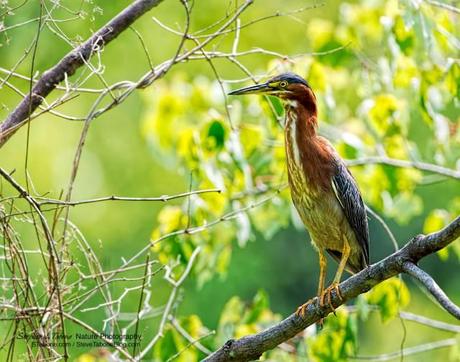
pixel 301 310
pixel 327 294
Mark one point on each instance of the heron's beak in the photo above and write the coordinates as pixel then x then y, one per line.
pixel 254 89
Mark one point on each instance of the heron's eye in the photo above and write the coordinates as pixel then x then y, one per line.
pixel 283 84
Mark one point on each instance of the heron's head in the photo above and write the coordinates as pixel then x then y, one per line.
pixel 288 86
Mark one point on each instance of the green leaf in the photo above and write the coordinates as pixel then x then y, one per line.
pixel 453 80
pixel 383 111
pixel 216 135
pixel 223 260
pixel 391 296
pixel 336 341
pixel 435 221
pixel 231 315
pixel 404 36
pixel 165 347
pixel 259 305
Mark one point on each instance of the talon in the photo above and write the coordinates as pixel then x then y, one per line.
pixel 321 299
pixel 301 310
pixel 329 302
pixel 339 293
pixel 327 293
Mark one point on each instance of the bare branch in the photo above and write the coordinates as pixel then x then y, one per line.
pixel 422 166
pixel 188 231
pixel 91 290
pixel 444 6
pixel 408 351
pixel 385 226
pixel 251 347
pixel 430 284
pixel 54 257
pixel 430 322
pixel 163 198
pixel 11 73
pixel 175 323
pixel 176 285
pixel 70 63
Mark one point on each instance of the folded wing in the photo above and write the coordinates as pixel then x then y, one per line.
pixel 347 192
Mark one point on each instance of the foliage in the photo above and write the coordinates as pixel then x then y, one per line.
pixel 390 296
pixel 238 319
pixel 233 160
pixel 387 78
pixel 337 341
pixel 437 219
pixel 399 101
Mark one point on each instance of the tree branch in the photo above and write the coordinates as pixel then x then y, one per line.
pixel 422 166
pixel 430 284
pixel 442 5
pixel 409 351
pixel 163 198
pixel 251 347
pixel 70 63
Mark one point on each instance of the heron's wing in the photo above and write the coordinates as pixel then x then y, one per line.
pixel 347 192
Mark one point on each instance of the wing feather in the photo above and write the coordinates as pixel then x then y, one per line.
pixel 347 193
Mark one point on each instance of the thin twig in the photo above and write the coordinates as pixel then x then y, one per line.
pixel 71 62
pixel 408 351
pixel 163 198
pixel 169 304
pixel 423 166
pixel 444 6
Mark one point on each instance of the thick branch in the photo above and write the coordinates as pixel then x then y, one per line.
pixel 251 347
pixel 70 63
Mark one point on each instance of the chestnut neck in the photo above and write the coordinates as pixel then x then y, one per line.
pixel 303 105
pixel 301 136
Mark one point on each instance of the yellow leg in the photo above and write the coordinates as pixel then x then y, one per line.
pixel 343 262
pixel 322 271
pixel 322 278
pixel 338 275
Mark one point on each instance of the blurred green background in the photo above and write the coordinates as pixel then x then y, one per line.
pixel 119 159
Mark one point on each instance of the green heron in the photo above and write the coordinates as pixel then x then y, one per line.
pixel 323 190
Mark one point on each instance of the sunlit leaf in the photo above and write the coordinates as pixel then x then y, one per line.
pixel 382 113
pixel 391 296
pixel 404 36
pixel 259 305
pixel 216 135
pixel 336 341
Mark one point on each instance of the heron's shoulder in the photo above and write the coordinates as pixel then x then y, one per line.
pixel 326 145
